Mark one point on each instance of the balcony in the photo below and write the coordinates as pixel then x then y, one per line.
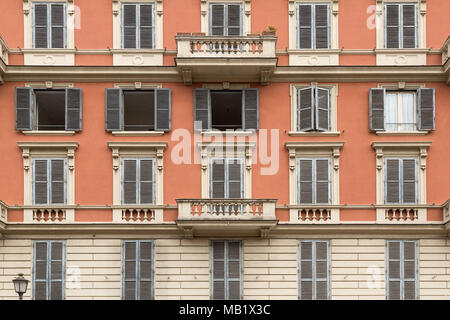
pixel 313 215
pixel 3 58
pixel 445 52
pixel 401 215
pixel 225 59
pixel 220 217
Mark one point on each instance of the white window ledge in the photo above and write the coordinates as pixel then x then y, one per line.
pixel 402 133
pixel 138 133
pixel 237 133
pixel 49 133
pixel 314 134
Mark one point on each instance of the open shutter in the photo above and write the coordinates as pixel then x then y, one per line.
pixel 305 109
pixel 129 181
pixel 322 181
pixel 426 109
pixel 73 109
pixel 57 270
pixel 392 26
pixel 251 109
pixel 234 20
pixel 218 179
pixel 145 270
pixel 40 182
pixel 129 26
pixel 322 26
pixel 24 108
pixel 234 270
pixel 376 109
pixel 392 181
pixel 321 270
pixel 202 108
pixel 409 270
pixel 235 178
pixel 393 266
pixel 323 109
pixel 217 20
pixel 40 271
pixel 40 31
pixel 146 181
pixel 409 15
pixel 146 26
pixel 304 26
pixel 130 270
pixel 58 25
pixel 305 185
pixel 218 270
pixel 57 168
pixel 306 270
pixel 114 109
pixel 162 109
pixel 409 181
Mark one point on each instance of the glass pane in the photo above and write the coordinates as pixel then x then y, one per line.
pixel 408 123
pixel 391 112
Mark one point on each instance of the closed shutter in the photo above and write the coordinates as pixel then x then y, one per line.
pixel 234 20
pixel 58 181
pixel 234 270
pixel 251 109
pixel 73 109
pixel 392 180
pixel 218 178
pixel 409 30
pixel 314 277
pixel 40 168
pixel 304 26
pixel 58 25
pixel 226 271
pixel 426 109
pixel 322 109
pixel 392 26
pixel 218 271
pixel 145 267
pixel 235 177
pixel 163 109
pixel 305 107
pixel 321 26
pixel 129 181
pixel 24 107
pixel 305 181
pixel 129 26
pixel 394 261
pixel 57 270
pixel 376 109
pixel 113 109
pixel 217 20
pixel 40 270
pixel 321 270
pixel 130 267
pixel 409 270
pixel 401 270
pixel 146 181
pixel 40 31
pixel 322 181
pixel 306 270
pixel 146 26
pixel 409 181
pixel 202 109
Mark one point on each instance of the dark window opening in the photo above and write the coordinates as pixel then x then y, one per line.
pixel 226 110
pixel 139 110
pixel 50 109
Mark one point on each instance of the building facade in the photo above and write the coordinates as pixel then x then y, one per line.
pixel 236 149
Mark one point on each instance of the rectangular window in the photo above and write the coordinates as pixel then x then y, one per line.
pixel 48 270
pixel 49 25
pixel 313 109
pixel 401 270
pixel 401 180
pixel 400 111
pixel 314 270
pixel 313 26
pixel 226 256
pixel 138 181
pixel 227 178
pixel 138 26
pixel 138 270
pixel 49 181
pixel 400 25
pixel 225 19
pixel 313 181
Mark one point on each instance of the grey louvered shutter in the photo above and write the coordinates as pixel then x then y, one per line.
pixel 392 26
pixel 394 277
pixel 304 26
pixel 235 178
pixel 58 184
pixel 251 109
pixel 146 26
pixel 305 181
pixel 163 109
pixel 130 270
pixel 218 266
pixel 24 102
pixel 58 25
pixel 113 109
pixel 306 270
pixel 234 20
pixel 392 181
pixel 40 182
pixel 40 31
pixel 376 109
pixel 321 270
pixel 217 20
pixel 323 182
pixel 409 270
pixel 409 30
pixel 129 181
pixel 73 109
pixel 409 181
pixel 305 109
pixel 323 109
pixel 40 270
pixel 145 270
pixel 322 26
pixel 426 109
pixel 234 270
pixel 218 179
pixel 146 181
pixel 57 270
pixel 202 108
pixel 129 26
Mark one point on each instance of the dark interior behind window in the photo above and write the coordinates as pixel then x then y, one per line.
pixel 226 109
pixel 50 109
pixel 139 110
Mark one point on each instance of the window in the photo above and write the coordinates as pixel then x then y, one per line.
pixel 226 270
pixel 138 181
pixel 138 270
pixel 225 19
pixel 314 181
pixel 226 109
pixel 138 25
pixel 49 25
pixel 313 26
pixel 49 181
pixel 313 109
pixel 227 178
pixel 48 270
pixel 45 110
pixel 402 110
pixel 314 270
pixel 401 25
pixel 138 110
pixel 401 180
pixel 401 273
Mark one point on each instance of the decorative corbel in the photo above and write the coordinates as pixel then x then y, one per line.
pixel 71 159
pixel 423 158
pixel 116 158
pixel 336 155
pixel 335 9
pixel 379 157
pixel 48 84
pixel 116 7
pixel 159 158
pixel 264 232
pixel 204 156
pixel 248 159
pixel 292 155
pixel 26 7
pixel 26 158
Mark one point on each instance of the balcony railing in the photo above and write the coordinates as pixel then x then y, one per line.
pixel 313 215
pixel 138 214
pixel 49 216
pixel 401 215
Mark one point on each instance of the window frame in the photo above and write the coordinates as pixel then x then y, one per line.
pixel 401 180
pixel 400 124
pixel 313 25
pixel 138 22
pixel 49 181
pixel 138 179
pixel 314 180
pixel 401 26
pixel 226 161
pixel 225 18
pixel 49 24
